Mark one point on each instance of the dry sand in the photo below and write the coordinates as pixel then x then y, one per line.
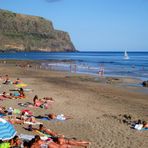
pixel 96 105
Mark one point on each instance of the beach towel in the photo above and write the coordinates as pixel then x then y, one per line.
pixel 27 104
pixel 16 111
pixel 27 89
pixel 26 137
pixel 29 137
pixel 21 85
pixel 3 98
pixel 42 134
pixel 42 118
pixel 144 129
pixel 16 94
pixel 5 145
pixel 33 123
pixel 51 120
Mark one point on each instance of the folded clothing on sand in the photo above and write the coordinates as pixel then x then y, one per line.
pixel 140 127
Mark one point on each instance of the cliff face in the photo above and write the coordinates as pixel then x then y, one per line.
pixel 30 33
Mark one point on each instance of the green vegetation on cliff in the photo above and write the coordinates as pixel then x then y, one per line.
pixel 31 33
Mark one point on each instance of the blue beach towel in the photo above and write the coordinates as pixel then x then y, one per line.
pixel 144 129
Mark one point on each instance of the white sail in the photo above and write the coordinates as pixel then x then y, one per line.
pixel 126 57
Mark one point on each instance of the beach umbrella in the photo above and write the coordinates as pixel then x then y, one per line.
pixel 7 130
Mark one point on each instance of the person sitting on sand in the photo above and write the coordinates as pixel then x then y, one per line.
pixel 39 102
pixel 21 93
pixel 37 142
pixel 15 142
pixel 6 80
pixel 35 100
pixel 59 117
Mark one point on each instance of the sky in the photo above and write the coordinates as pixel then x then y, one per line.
pixel 93 25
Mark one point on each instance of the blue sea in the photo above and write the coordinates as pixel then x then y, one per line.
pixel 113 63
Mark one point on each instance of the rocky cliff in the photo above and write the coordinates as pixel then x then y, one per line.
pixel 31 33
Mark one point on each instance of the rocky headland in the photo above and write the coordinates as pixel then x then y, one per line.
pixel 20 32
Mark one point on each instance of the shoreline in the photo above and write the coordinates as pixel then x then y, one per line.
pixel 38 64
pixel 112 63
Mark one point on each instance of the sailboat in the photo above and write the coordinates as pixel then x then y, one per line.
pixel 126 57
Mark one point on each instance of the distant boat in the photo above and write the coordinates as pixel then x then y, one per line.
pixel 126 57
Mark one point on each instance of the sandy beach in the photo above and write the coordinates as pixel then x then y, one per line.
pixel 97 105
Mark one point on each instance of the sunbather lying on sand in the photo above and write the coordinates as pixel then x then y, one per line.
pixel 13 120
pixel 17 120
pixel 50 99
pixel 46 131
pixel 58 142
pixel 17 81
pixel 4 96
pixel 25 117
pixel 69 142
pixel 59 117
pixel 43 103
pixel 15 142
pixel 36 142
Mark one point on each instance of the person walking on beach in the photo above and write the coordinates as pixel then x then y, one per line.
pixel 101 71
pixel 75 68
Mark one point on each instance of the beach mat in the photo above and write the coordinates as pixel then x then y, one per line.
pixel 42 118
pixel 144 129
pixel 42 134
pixel 33 123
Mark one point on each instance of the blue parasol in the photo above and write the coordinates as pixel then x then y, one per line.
pixel 7 130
